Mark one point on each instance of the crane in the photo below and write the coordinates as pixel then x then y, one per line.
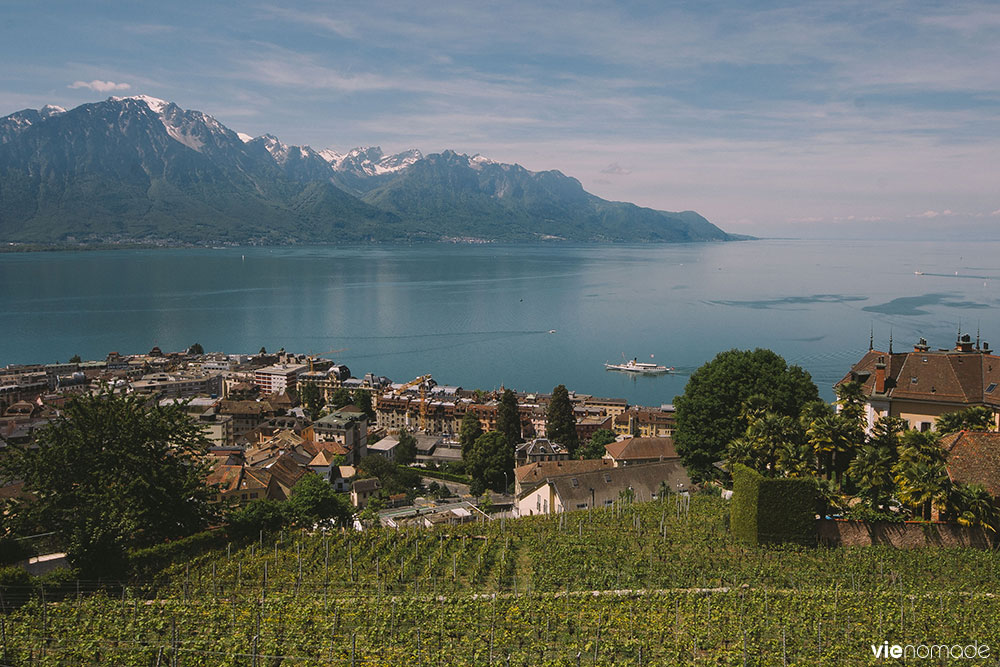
pixel 423 380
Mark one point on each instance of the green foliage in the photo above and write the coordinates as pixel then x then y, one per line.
pixel 709 411
pixel 594 448
pixel 920 474
pixel 341 397
pixel 394 478
pixel 314 502
pixel 976 418
pixel 113 472
pixel 772 511
pixel 972 505
pixel 469 432
pixel 406 450
pixel 560 423
pixel 863 513
pixel 145 563
pixel 75 359
pixel 490 458
pixel 311 397
pixel 196 349
pixel 12 551
pixel 509 418
pixel 259 516
pixel 363 401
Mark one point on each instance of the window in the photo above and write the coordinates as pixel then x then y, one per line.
pixel 581 506
pixel 913 380
pixel 607 478
pixel 608 502
pixel 575 482
pixel 989 389
pixel 925 426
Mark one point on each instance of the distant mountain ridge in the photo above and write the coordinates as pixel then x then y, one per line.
pixel 140 169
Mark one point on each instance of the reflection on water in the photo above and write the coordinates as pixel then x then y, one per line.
pixel 479 316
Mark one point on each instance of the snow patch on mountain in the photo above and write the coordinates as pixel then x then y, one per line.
pixel 50 110
pixel 245 138
pixel 278 150
pixel 370 160
pixel 155 104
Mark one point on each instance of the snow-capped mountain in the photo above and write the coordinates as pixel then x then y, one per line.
pixel 370 161
pixel 142 168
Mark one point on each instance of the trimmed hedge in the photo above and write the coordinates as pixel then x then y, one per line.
pixel 768 510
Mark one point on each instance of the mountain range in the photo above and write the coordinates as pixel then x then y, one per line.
pixel 139 169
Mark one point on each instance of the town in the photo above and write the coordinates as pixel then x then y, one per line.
pixel 273 418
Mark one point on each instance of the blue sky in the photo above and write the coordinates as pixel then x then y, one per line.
pixel 770 118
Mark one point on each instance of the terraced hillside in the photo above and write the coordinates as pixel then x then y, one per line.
pixel 640 584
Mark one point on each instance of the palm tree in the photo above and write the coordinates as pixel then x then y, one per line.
pixel 977 418
pixel 796 458
pixel 972 505
pixel 834 438
pixel 871 470
pixel 920 473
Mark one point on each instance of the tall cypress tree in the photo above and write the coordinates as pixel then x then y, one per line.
pixel 560 424
pixel 509 419
pixel 468 432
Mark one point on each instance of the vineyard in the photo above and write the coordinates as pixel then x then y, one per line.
pixel 639 584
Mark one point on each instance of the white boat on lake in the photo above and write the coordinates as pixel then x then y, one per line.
pixel 639 367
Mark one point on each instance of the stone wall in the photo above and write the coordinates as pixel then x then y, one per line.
pixel 910 535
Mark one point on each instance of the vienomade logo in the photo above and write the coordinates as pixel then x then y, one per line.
pixel 974 651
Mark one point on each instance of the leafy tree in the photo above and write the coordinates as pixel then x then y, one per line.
pixel 491 456
pixel 363 401
pixel 594 448
pixel 196 349
pixel 509 418
pixel 113 472
pixel 263 350
pixel 341 397
pixel 560 423
pixel 314 500
pixel 468 432
pixel 311 397
pixel 75 359
pixel 977 418
pixel 406 450
pixel 708 413
pixel 267 516
pixel 395 479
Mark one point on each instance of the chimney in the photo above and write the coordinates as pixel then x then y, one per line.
pixel 880 376
pixel 921 346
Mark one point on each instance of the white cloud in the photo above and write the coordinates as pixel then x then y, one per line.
pixel 616 169
pixel 996 212
pixel 100 86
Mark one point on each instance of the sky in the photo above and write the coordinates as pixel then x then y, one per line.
pixel 778 119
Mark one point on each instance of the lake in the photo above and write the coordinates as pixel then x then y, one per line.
pixel 480 315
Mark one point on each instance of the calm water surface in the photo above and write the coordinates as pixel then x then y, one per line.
pixel 479 316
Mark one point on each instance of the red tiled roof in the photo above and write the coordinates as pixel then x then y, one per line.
pixel 642 448
pixel 974 458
